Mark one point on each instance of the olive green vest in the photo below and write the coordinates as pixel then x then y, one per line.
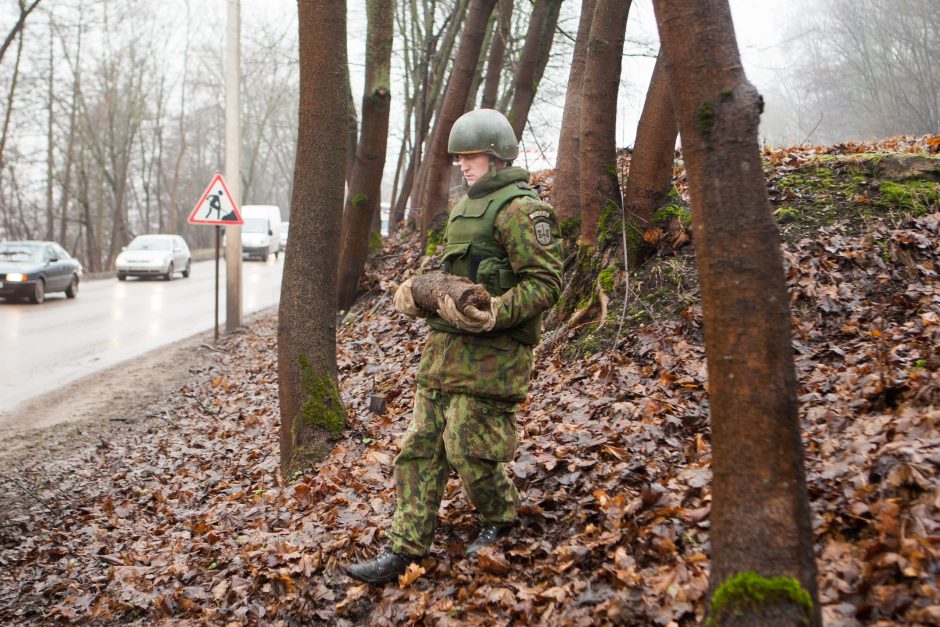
pixel 473 251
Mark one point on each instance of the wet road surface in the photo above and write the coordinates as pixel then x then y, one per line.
pixel 48 345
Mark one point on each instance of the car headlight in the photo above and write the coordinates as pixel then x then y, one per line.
pixel 16 277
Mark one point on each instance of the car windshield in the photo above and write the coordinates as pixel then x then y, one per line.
pixel 20 252
pixel 151 243
pixel 255 225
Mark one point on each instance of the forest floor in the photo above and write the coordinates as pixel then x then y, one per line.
pixel 169 508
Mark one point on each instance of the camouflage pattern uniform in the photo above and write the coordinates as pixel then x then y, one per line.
pixel 469 385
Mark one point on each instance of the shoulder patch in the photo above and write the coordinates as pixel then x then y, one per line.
pixel 542 217
pixel 543 233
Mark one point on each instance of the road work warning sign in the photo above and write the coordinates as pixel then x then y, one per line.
pixel 216 206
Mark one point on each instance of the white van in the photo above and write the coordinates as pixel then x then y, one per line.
pixel 261 232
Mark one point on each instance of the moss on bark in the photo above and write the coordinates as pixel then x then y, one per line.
pixel 748 592
pixel 321 417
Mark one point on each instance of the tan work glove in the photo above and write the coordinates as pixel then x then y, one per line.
pixel 404 301
pixel 471 319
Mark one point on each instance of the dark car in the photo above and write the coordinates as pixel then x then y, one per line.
pixel 32 269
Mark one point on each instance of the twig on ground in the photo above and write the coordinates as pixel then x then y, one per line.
pixel 202 406
pixel 29 493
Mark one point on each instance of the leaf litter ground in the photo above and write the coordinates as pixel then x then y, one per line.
pixel 181 516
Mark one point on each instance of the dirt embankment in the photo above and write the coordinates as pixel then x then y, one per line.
pixel 111 403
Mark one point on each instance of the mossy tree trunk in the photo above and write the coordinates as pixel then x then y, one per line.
pixel 438 168
pixel 365 183
pixel 535 52
pixel 311 410
pixel 760 517
pixel 566 192
pixel 600 186
pixel 651 164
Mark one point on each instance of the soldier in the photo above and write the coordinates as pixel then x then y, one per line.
pixel 475 366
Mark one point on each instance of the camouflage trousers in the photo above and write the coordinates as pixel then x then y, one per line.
pixel 475 437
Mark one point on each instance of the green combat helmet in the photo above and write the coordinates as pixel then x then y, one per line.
pixel 483 131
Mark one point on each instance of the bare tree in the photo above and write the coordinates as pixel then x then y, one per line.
pixel 600 186
pixel 68 166
pixel 11 96
pixel 760 518
pixel 866 68
pixel 434 198
pixel 429 82
pixel 311 408
pixel 535 52
pixel 111 124
pixel 363 199
pixel 174 207
pixel 25 9
pixel 50 146
pixel 264 110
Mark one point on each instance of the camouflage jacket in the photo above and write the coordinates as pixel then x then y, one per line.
pixel 498 367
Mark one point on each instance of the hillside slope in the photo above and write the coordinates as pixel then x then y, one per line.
pixel 184 518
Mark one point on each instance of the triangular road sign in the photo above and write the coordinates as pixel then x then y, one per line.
pixel 216 206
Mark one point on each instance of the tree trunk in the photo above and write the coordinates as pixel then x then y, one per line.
pixel 566 193
pixel 430 77
pixel 600 187
pixel 494 66
pixel 538 45
pixel 352 129
pixel 70 146
pixel 92 240
pixel 11 94
pixel 50 144
pixel 434 200
pixel 653 155
pixel 481 62
pixel 365 185
pixel 311 408
pixel 760 518
pixel 393 218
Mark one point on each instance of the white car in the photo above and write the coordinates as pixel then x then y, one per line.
pixel 261 231
pixel 154 255
pixel 284 227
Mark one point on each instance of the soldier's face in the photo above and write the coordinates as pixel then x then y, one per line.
pixel 473 166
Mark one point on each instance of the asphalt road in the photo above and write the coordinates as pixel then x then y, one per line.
pixel 48 345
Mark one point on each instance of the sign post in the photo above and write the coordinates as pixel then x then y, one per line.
pixel 217 208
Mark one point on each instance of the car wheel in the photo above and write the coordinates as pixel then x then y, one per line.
pixel 169 272
pixel 72 290
pixel 122 276
pixel 186 270
pixel 276 253
pixel 39 292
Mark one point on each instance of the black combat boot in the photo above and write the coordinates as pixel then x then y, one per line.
pixel 386 566
pixel 489 534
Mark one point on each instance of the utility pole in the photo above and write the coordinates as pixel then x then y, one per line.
pixel 233 105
